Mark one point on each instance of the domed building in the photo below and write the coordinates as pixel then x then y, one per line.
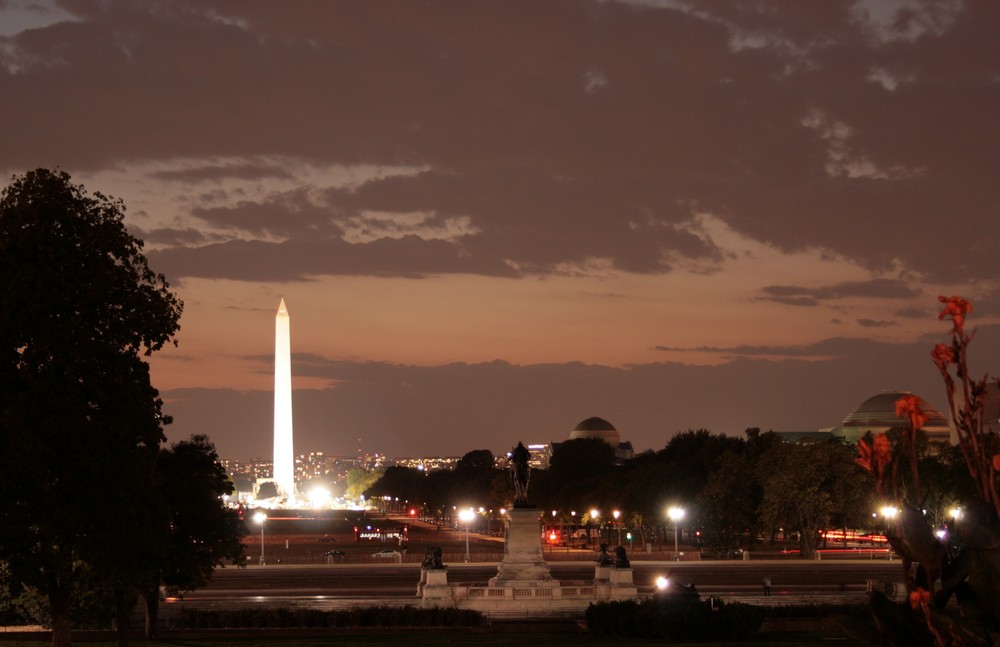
pixel 877 414
pixel 600 429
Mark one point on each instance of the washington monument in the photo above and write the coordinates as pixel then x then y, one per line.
pixel 284 457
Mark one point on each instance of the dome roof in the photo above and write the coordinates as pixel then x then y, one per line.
pixel 596 428
pixel 594 424
pixel 880 411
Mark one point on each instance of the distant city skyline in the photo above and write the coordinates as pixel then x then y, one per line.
pixel 494 220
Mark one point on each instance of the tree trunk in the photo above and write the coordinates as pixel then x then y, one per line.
pixel 807 544
pixel 59 610
pixel 121 618
pixel 152 598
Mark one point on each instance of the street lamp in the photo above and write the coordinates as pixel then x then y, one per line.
pixel 889 512
pixel 616 514
pixel 466 516
pixel 676 514
pixel 594 514
pixel 261 517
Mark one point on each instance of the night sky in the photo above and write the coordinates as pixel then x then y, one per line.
pixel 491 220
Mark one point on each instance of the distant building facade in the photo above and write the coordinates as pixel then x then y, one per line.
pixel 877 414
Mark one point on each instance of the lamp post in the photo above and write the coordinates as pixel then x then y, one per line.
pixel 616 514
pixel 676 514
pixel 889 512
pixel 466 516
pixel 261 517
pixel 594 515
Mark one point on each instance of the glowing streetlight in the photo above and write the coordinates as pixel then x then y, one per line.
pixel 319 497
pixel 594 515
pixel 260 517
pixel 955 513
pixel 467 515
pixel 662 583
pixel 889 512
pixel 676 514
pixel 616 514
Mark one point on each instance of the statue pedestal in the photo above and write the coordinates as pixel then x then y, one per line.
pixel 523 563
pixel 433 587
pixel 614 583
pixel 622 585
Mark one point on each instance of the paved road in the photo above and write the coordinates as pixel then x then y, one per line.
pixel 323 586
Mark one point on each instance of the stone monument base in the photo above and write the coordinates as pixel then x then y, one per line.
pixel 523 564
pixel 433 588
pixel 523 583
pixel 615 582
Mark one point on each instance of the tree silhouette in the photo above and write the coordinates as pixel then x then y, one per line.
pixel 78 414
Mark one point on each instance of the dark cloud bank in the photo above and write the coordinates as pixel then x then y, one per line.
pixel 562 130
pixel 451 409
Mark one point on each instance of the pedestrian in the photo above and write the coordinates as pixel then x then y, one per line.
pixel 767 586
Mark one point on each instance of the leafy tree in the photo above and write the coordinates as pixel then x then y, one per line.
pixel 439 485
pixel 675 475
pixel 729 502
pixel 579 471
pixel 78 413
pixel 400 482
pixel 807 487
pixel 199 531
pixel 359 480
pixel 267 490
pixel 690 457
pixel 476 462
pixel 642 486
pixel 473 480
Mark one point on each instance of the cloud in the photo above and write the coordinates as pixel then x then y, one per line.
pixel 876 323
pixel 914 313
pixel 599 144
pixel 171 236
pixel 875 288
pixel 300 259
pixel 289 214
pixel 890 21
pixel 825 349
pixel 17 16
pixel 243 171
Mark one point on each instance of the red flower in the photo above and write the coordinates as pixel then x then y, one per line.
pixel 874 458
pixel 956 308
pixel 909 405
pixel 943 355
pixel 883 450
pixel 920 597
pixel 864 458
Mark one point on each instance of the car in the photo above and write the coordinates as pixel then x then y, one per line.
pixel 334 553
pixel 387 553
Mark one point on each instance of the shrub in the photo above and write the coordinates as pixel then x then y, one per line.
pixel 674 617
pixel 407 616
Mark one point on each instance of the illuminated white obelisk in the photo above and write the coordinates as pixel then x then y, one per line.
pixel 284 458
